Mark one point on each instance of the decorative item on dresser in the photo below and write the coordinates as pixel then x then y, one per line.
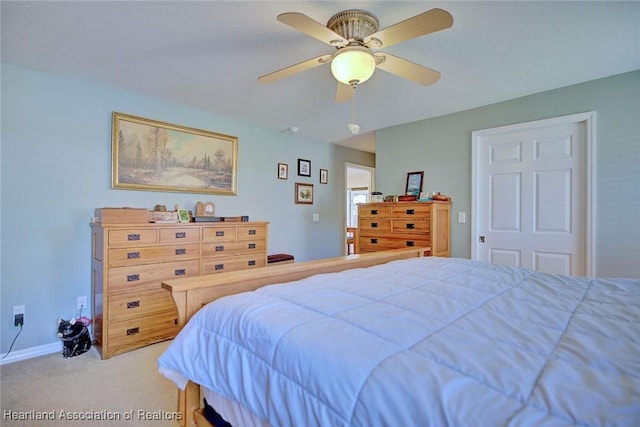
pixel 389 225
pixel 130 260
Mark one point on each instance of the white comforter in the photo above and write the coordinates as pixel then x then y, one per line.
pixel 422 342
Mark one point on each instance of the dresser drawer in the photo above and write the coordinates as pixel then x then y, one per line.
pixel 252 232
pixel 233 263
pixel 128 306
pixel 374 211
pixel 179 235
pixel 120 257
pixel 130 334
pixel 133 237
pixel 385 243
pixel 149 276
pixel 233 248
pixel 412 211
pixel 219 234
pixel 373 224
pixel 411 225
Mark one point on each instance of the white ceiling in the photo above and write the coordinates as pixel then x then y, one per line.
pixel 208 55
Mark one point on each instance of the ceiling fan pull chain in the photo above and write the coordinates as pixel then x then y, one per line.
pixel 353 126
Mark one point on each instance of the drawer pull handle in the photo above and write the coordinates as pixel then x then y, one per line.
pixel 132 237
pixel 219 267
pixel 252 246
pixel 181 235
pixel 219 233
pixel 374 241
pixel 133 255
pixel 133 331
pixel 181 251
pixel 133 277
pixel 252 232
pixel 411 226
pixel 251 263
pixel 219 248
pixel 133 304
pixel 180 272
pixel 411 211
pixel 411 243
pixel 374 211
pixel 374 225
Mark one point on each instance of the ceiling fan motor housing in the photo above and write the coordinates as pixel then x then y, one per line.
pixel 353 24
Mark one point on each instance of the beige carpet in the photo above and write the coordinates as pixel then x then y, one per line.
pixel 126 390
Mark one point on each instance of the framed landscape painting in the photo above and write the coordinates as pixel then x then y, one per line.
pixel 158 156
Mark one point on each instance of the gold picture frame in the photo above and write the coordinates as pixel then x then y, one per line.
pixel 157 156
pixel 304 193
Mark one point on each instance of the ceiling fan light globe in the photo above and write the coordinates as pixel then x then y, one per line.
pixel 353 63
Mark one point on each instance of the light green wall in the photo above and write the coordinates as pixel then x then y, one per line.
pixel 56 169
pixel 442 148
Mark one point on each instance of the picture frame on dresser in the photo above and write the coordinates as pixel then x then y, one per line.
pixel 152 155
pixel 414 183
pixel 183 215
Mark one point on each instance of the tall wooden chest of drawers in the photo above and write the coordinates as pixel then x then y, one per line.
pixel 129 262
pixel 384 226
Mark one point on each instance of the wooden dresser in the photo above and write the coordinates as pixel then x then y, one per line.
pixel 129 262
pixel 383 226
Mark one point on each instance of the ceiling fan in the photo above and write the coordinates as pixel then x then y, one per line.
pixel 354 33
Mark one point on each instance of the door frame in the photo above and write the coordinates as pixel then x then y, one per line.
pixel 372 180
pixel 590 169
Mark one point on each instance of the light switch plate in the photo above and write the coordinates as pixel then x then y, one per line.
pixel 462 217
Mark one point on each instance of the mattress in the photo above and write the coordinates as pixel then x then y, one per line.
pixel 422 342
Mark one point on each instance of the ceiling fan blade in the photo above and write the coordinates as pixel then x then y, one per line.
pixel 293 69
pixel 428 22
pixel 407 69
pixel 303 23
pixel 344 93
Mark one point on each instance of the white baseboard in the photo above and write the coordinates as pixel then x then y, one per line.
pixel 29 353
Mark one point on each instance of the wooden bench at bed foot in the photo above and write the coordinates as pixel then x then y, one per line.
pixel 279 259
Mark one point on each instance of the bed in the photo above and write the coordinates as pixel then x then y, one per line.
pixel 399 339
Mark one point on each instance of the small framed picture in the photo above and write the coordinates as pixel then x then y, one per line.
pixel 283 171
pixel 304 167
pixel 183 215
pixel 414 183
pixel 304 193
pixel 324 176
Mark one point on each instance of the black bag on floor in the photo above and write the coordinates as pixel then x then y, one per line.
pixel 75 337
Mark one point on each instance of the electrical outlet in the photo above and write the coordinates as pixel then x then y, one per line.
pixel 18 315
pixel 82 302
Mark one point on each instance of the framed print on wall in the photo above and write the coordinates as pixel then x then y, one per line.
pixel 414 183
pixel 283 171
pixel 324 176
pixel 304 193
pixel 304 167
pixel 157 156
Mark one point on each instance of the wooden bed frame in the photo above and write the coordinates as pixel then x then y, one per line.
pixel 190 294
